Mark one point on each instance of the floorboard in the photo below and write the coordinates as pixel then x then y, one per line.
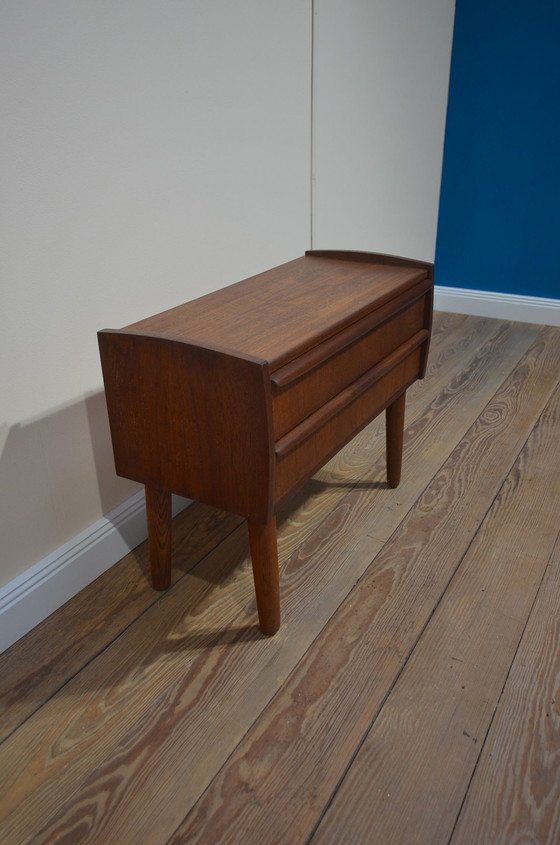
pixel 515 792
pixel 420 627
pixel 423 764
pixel 65 642
pixel 338 687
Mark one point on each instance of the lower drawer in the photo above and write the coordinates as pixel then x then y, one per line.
pixel 294 467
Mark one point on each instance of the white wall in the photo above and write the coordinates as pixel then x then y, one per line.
pixel 151 152
pixel 381 73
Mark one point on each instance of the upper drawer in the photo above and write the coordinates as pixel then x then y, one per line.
pixel 305 384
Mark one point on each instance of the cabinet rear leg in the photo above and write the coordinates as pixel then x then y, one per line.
pixel 264 557
pixel 394 422
pixel 158 510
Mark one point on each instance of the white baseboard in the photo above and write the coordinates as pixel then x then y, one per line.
pixel 502 306
pixel 46 586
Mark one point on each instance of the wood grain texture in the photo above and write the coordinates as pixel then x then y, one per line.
pixel 315 579
pixel 299 749
pixel 190 400
pixel 312 381
pixel 378 382
pixel 314 439
pixel 32 670
pixel 183 722
pixel 56 650
pixel 171 432
pixel 424 763
pixel 36 667
pixel 515 792
pixel 279 314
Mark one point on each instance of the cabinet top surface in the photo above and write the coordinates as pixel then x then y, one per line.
pixel 280 313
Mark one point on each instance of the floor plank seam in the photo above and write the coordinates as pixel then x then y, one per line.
pixel 453 575
pixel 497 704
pixel 428 621
pixel 160 595
pixel 278 691
pixel 400 671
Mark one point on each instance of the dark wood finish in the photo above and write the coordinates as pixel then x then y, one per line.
pixel 394 439
pixel 191 419
pixel 237 398
pixel 264 557
pixel 158 512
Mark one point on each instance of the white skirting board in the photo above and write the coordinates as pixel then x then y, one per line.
pixel 502 306
pixel 46 586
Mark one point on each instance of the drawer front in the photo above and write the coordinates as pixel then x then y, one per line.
pixel 296 465
pixel 294 400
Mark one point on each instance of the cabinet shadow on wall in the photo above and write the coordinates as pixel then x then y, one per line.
pixel 57 478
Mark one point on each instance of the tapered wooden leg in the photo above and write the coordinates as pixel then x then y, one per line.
pixel 158 510
pixel 264 557
pixel 394 422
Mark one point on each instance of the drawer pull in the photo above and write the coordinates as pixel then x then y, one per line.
pixel 352 334
pixel 319 418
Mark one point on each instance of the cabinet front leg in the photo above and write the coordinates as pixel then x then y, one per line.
pixel 394 423
pixel 264 557
pixel 158 511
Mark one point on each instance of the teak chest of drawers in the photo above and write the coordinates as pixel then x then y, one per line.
pixel 237 398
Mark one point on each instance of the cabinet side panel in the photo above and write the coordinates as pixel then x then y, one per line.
pixel 190 419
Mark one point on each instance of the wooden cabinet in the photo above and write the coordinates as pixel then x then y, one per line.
pixel 237 398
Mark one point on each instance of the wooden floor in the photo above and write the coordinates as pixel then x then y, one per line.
pixel 413 692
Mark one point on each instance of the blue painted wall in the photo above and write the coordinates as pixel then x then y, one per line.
pixel 499 223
